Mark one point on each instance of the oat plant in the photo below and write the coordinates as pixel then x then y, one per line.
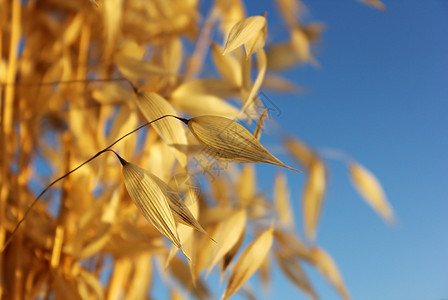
pixel 124 138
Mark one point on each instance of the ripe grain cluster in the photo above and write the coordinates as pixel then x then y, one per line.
pixel 79 77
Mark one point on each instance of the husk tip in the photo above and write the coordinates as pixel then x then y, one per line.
pixel 292 169
pixel 122 160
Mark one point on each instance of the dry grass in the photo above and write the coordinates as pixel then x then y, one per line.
pixel 105 219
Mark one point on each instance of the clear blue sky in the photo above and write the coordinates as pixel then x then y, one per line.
pixel 381 96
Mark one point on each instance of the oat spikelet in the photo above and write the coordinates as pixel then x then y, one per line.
pixel 151 201
pixel 282 202
pixel 325 264
pixel 249 262
pixel 257 132
pixel 301 152
pixel 154 106
pixel 369 187
pixel 313 197
pixel 294 271
pixel 180 211
pixel 246 32
pixel 205 96
pixel 227 235
pixel 228 66
pixel 262 64
pixel 226 139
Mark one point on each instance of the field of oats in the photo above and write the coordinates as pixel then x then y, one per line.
pixel 153 167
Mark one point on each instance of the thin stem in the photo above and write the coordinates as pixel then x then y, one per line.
pixel 122 161
pixel 144 125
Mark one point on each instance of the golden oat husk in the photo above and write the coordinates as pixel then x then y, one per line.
pixel 227 235
pixel 282 56
pixel 261 64
pixel 206 96
pixel 180 271
pixel 313 197
pixel 205 86
pixel 171 131
pixel 203 250
pixel 282 201
pixel 370 189
pixel 243 32
pixel 227 139
pixel 257 132
pixel 291 245
pixel 111 93
pixel 265 273
pixel 325 264
pixel 231 11
pixel 256 42
pixel 187 234
pixel 206 104
pixel 291 11
pixel 230 255
pixel 301 45
pixel 119 278
pixel 129 62
pixel 180 210
pixel 246 186
pixel 301 152
pixel 141 277
pixel 249 262
pixel 151 201
pixel 294 271
pixel 280 84
pixel 228 66
pixel 176 295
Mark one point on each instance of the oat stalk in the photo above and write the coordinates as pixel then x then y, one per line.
pixel 108 148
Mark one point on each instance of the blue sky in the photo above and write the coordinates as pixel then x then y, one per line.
pixel 380 96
